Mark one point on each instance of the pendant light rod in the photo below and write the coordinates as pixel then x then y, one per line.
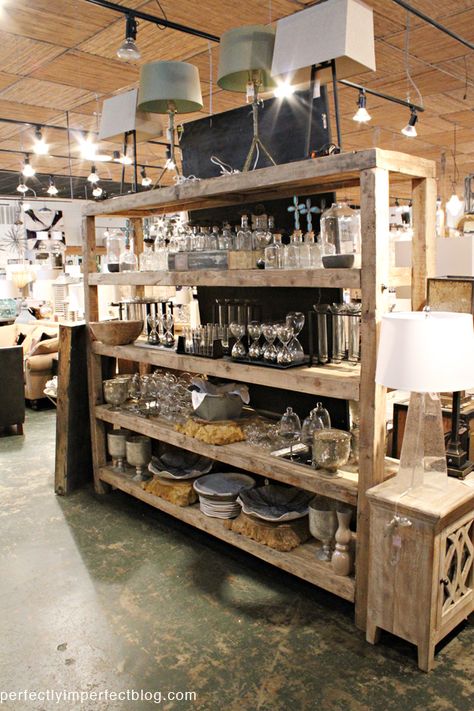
pixel 434 23
pixel 394 99
pixel 55 155
pixel 164 22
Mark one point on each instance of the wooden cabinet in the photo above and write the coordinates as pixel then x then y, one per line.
pixel 372 171
pixel 421 571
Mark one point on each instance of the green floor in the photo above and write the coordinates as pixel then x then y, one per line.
pixel 108 593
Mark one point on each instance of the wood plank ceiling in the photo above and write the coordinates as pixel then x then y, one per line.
pixel 60 56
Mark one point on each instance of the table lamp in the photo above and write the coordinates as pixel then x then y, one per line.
pixel 245 61
pixel 22 277
pixel 425 353
pixel 169 88
pixel 328 41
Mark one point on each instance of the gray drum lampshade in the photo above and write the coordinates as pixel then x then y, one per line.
pixel 243 51
pixel 169 84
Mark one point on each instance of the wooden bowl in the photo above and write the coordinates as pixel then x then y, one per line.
pixel 116 333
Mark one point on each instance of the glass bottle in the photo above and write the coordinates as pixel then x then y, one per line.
pixel 292 253
pixel 213 239
pixel 199 240
pixel 225 239
pixel 315 252
pixel 243 238
pixel 160 261
pixel 261 234
pixel 340 230
pixel 114 244
pixel 146 259
pixel 273 253
pixel 128 258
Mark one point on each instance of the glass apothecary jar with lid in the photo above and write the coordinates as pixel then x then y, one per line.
pixel 340 234
pixel 114 246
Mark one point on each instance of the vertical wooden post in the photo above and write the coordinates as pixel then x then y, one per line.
pixel 94 365
pixel 424 239
pixel 374 208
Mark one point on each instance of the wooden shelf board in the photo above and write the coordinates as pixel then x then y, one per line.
pixel 339 381
pixel 301 561
pixel 323 278
pixel 319 175
pixel 240 455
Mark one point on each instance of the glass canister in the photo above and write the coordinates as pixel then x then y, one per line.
pixel 331 450
pixel 114 245
pixel 340 230
pixel 128 258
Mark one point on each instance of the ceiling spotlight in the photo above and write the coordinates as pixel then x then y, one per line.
pixel 170 164
pixel 93 177
pixel 284 90
pixel 410 130
pixel 146 181
pixel 362 115
pixel 122 158
pixel 97 192
pixel 21 187
pixel 28 170
pixel 40 146
pixel 128 50
pixel 88 149
pixel 52 189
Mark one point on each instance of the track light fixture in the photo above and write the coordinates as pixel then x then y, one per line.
pixel 28 170
pixel 122 158
pixel 97 192
pixel 52 189
pixel 128 50
pixel 146 181
pixel 410 130
pixel 362 115
pixel 93 177
pixel 40 146
pixel 21 187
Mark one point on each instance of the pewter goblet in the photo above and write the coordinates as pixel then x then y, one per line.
pixel 116 392
pixel 138 448
pixel 116 445
pixel 323 526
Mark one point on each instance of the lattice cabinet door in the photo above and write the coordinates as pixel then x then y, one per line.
pixel 456 580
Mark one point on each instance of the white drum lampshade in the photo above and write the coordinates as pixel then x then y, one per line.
pixel 425 353
pixel 120 115
pixel 342 30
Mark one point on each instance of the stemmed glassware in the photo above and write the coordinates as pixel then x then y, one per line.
pixel 285 333
pixel 238 331
pixel 270 351
pixel 290 428
pixel 255 331
pixel 115 392
pixel 297 320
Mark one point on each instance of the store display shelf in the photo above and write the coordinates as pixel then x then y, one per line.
pixel 301 561
pixel 338 381
pixel 323 278
pixel 240 455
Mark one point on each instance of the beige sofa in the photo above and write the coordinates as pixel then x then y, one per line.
pixel 38 354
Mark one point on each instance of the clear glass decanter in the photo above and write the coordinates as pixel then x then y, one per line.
pixel 128 258
pixel 261 234
pixel 243 238
pixel 340 230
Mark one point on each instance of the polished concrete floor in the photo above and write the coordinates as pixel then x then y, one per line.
pixel 107 593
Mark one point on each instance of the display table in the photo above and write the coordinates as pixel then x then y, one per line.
pixel 421 571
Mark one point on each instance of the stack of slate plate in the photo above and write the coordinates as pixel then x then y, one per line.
pixel 275 503
pixel 218 493
pixel 180 465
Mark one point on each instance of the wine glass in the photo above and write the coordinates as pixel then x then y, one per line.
pixel 115 392
pixel 297 319
pixel 285 333
pixel 255 331
pixel 290 428
pixel 270 351
pixel 238 331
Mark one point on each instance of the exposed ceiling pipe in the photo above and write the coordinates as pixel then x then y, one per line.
pixel 434 23
pixel 162 21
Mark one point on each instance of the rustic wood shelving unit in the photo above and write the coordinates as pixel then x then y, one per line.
pixel 372 170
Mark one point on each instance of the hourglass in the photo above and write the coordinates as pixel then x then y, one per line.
pixel 285 333
pixel 270 351
pixel 153 337
pixel 297 320
pixel 255 331
pixel 238 331
pixel 168 338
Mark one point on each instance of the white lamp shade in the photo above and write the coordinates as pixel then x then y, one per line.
pixel 424 351
pixel 168 85
pixel 245 51
pixel 119 115
pixel 336 29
